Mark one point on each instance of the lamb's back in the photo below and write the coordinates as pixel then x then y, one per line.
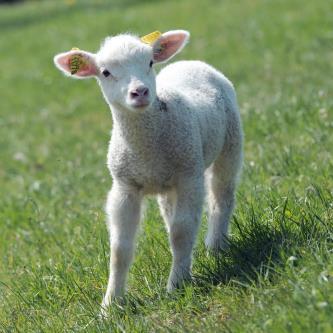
pixel 194 79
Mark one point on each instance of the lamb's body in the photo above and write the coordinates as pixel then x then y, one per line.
pixel 171 134
pixel 184 132
pixel 192 131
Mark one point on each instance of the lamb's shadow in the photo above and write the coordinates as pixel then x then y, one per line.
pixel 255 252
pixel 262 247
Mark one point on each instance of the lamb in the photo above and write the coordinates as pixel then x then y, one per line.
pixel 176 135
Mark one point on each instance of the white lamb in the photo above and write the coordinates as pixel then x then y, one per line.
pixel 172 133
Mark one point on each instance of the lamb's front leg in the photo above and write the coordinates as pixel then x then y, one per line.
pixel 123 210
pixel 183 229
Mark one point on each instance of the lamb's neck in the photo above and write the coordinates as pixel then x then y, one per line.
pixel 135 128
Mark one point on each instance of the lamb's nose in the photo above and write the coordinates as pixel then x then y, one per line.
pixel 139 92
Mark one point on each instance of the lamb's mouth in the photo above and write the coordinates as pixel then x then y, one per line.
pixel 139 104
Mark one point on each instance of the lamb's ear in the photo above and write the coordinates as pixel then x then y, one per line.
pixel 76 63
pixel 169 44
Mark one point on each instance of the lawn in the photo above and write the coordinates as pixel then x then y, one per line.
pixel 276 275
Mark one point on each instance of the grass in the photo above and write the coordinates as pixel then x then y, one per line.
pixel 276 276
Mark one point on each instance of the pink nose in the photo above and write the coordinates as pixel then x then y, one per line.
pixel 139 92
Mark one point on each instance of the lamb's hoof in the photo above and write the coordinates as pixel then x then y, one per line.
pixel 217 247
pixel 105 308
pixel 104 313
pixel 107 303
pixel 178 283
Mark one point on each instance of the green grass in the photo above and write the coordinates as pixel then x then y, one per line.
pixel 276 276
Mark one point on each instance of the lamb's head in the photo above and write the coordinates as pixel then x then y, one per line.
pixel 124 66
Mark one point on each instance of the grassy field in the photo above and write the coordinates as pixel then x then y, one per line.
pixel 277 275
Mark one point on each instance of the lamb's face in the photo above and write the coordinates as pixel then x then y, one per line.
pixel 124 66
pixel 126 74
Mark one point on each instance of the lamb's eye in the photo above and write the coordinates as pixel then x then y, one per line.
pixel 106 73
pixel 151 63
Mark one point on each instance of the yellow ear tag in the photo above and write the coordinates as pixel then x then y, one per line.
pixel 76 61
pixel 151 38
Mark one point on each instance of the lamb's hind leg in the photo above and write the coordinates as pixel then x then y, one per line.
pixel 221 182
pixel 183 225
